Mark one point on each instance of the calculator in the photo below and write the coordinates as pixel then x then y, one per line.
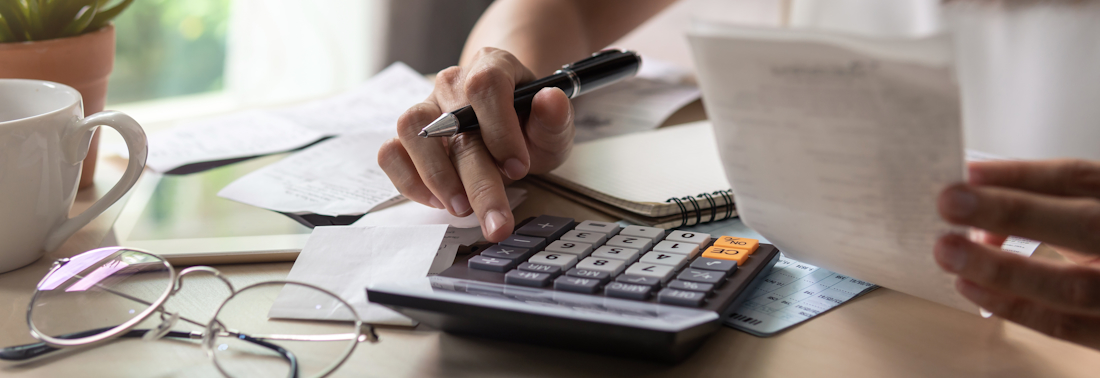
pixel 633 291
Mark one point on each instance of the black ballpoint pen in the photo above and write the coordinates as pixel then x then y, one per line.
pixel 597 71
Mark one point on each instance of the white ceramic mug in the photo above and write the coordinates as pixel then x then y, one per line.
pixel 43 140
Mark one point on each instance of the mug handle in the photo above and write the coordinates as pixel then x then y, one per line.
pixel 75 142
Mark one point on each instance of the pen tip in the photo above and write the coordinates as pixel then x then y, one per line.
pixel 423 133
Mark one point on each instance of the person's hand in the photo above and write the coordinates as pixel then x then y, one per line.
pixel 1055 202
pixel 468 172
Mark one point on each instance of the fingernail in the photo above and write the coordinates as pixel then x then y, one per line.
pixel 951 253
pixel 460 204
pixel 961 202
pixel 494 221
pixel 436 203
pixel 514 169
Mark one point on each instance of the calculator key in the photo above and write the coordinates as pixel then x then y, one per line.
pixel 683 248
pixel 628 291
pixel 688 237
pixel 563 260
pixel 520 277
pixel 577 284
pixel 671 259
pixel 552 270
pixel 574 248
pixel 638 280
pixel 660 272
pixel 645 232
pixel 529 242
pixel 691 286
pixel 681 297
pixel 613 267
pixel 703 276
pixel 724 266
pixel 546 226
pixel 618 253
pixel 749 245
pixel 491 263
pixel 590 237
pixel 723 253
pixel 586 273
pixel 639 243
pixel 506 252
pixel 608 228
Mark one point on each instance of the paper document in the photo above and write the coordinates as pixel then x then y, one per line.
pixel 638 104
pixel 345 260
pixel 837 147
pixel 339 176
pixel 374 106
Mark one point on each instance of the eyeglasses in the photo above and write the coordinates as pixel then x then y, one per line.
pixel 107 293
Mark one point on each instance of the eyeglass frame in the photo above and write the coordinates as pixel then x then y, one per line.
pixel 208 334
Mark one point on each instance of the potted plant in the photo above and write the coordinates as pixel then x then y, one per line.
pixel 66 41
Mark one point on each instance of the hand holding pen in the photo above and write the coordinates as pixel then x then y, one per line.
pixel 466 173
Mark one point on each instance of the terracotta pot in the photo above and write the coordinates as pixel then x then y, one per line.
pixel 82 62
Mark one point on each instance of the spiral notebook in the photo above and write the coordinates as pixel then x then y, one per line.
pixel 669 177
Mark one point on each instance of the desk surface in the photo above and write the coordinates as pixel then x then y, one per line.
pixel 882 334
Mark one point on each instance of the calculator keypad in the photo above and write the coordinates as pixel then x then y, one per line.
pixel 601 258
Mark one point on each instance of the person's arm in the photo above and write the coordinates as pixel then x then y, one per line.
pixel 515 41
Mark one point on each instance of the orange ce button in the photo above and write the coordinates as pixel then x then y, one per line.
pixel 746 244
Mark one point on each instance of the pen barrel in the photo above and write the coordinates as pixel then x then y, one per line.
pixel 605 69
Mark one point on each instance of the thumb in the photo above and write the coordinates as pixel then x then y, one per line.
pixel 549 130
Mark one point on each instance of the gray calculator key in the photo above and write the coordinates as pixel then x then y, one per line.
pixel 523 241
pixel 638 280
pixel 687 249
pixel 520 277
pixel 660 272
pixel 491 263
pixel 585 273
pixel 674 260
pixel 645 232
pixel 577 284
pixel 570 247
pixel 688 237
pixel 619 253
pixel 540 268
pixel 724 266
pixel 546 226
pixel 563 260
pixel 507 252
pixel 704 276
pixel 607 265
pixel 608 228
pixel 589 237
pixel 681 297
pixel 628 291
pixel 691 286
pixel 635 242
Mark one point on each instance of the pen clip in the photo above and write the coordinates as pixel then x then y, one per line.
pixel 594 56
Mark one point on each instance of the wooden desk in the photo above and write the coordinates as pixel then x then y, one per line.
pixel 882 334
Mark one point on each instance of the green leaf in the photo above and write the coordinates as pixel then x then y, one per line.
pixel 31 15
pixel 83 18
pixel 12 13
pixel 106 15
pixel 5 32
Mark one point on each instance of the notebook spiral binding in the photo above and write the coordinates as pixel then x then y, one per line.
pixel 683 202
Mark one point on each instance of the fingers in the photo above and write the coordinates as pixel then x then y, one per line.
pixel 397 164
pixel 490 85
pixel 1081 329
pixel 1068 222
pixel 484 185
pixel 1054 177
pixel 549 130
pixel 430 159
pixel 1064 287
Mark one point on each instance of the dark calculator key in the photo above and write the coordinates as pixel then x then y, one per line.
pixel 691 286
pixel 703 276
pixel 681 297
pixel 553 271
pixel 726 266
pixel 628 291
pixel 546 226
pixel 529 242
pixel 587 273
pixel 638 280
pixel 577 284
pixel 519 277
pixel 491 263
pixel 507 252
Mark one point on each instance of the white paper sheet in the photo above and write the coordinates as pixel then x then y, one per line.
pixel 339 176
pixel 638 104
pixel 373 106
pixel 345 260
pixel 837 147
